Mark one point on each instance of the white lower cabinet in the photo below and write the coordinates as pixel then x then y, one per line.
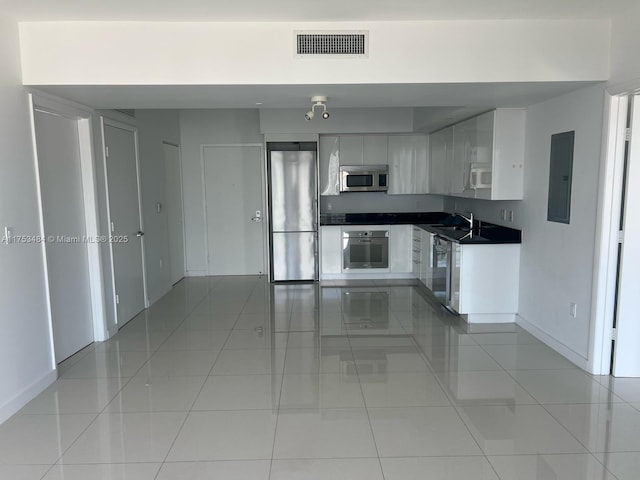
pixel 484 280
pixel 426 265
pixel 330 249
pixel 416 251
pixel 400 240
pixel 331 252
pixel 488 282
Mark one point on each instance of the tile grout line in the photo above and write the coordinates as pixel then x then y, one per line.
pixel 284 363
pixel 364 401
pixel 164 461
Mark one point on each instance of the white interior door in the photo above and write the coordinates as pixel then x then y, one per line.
pixel 627 352
pixel 60 169
pixel 126 221
pixel 233 184
pixel 175 220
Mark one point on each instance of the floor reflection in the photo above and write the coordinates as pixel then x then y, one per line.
pixel 365 379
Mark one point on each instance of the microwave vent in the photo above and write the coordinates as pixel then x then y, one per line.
pixel 335 44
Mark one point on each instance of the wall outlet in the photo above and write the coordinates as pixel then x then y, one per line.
pixel 510 215
pixel 573 309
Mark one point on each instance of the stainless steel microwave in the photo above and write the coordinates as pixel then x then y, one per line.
pixel 364 178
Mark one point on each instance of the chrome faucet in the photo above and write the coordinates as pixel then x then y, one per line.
pixel 468 219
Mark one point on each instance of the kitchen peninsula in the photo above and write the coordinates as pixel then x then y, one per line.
pixel 471 271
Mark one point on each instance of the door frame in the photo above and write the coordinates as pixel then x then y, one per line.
pixel 184 236
pixel 607 227
pixel 83 116
pixel 104 122
pixel 265 218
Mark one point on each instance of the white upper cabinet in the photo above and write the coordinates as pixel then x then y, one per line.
pixel 506 143
pixel 351 150
pixel 408 167
pixel 329 165
pixel 375 149
pixel 440 161
pixel 406 155
pixel 486 157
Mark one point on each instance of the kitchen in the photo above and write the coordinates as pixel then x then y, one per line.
pixel 258 126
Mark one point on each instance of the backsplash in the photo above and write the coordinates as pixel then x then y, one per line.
pixel 487 210
pixel 379 202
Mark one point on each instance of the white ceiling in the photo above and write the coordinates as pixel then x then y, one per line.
pixel 306 10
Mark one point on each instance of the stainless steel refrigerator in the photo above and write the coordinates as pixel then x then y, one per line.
pixel 293 208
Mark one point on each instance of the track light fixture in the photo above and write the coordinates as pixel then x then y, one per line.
pixel 317 101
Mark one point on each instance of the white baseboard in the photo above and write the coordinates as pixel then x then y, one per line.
pixel 26 395
pixel 559 347
pixel 196 273
pixel 367 276
pixel 490 317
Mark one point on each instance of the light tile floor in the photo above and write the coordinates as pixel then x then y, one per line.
pixel 233 378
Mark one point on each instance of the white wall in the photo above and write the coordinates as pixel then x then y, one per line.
pixel 167 53
pixel 557 259
pixel 154 127
pixel 26 362
pixel 207 127
pixel 625 37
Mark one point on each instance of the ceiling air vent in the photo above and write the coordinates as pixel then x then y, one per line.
pixel 336 44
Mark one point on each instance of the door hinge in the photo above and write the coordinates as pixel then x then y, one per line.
pixel 106 151
pixel 613 333
pixel 620 236
pixel 113 227
pixel 627 134
pixel 117 299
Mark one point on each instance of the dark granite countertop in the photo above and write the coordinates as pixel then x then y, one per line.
pixel 443 224
pixel 408 218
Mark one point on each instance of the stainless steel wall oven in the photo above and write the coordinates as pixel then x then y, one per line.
pixel 365 249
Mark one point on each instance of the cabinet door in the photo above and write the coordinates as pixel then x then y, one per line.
pixel 421 152
pixel 426 265
pixel 400 165
pixel 481 163
pixel 400 254
pixel 508 154
pixel 330 249
pixel 329 165
pixel 351 149
pixel 375 150
pixel 407 164
pixel 464 147
pixel 416 249
pixel 440 157
pixel 454 288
